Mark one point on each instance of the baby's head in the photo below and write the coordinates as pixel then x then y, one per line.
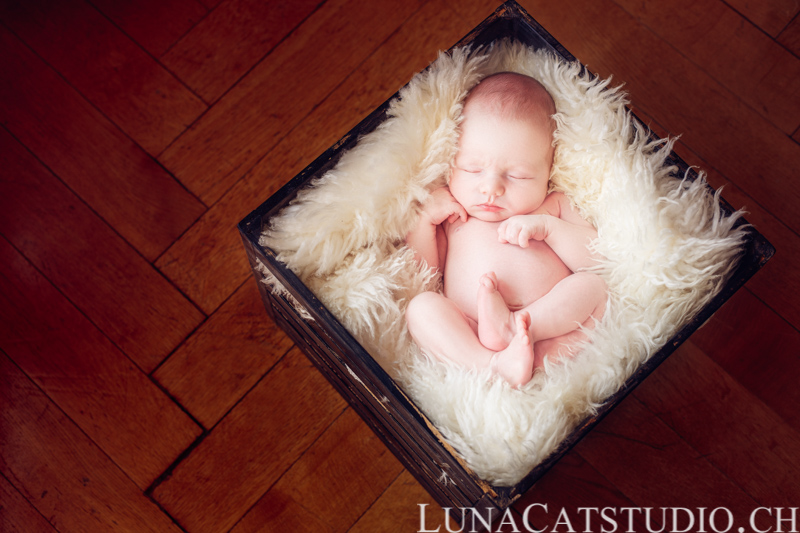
pixel 505 148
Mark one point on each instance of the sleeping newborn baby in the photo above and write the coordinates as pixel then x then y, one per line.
pixel 510 254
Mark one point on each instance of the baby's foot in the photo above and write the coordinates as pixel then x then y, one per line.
pixel 515 363
pixel 495 321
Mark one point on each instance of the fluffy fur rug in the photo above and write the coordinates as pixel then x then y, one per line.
pixel 668 248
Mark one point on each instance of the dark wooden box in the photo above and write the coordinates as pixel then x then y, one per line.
pixel 382 404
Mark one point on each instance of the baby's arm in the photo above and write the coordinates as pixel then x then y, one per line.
pixel 426 237
pixel 558 224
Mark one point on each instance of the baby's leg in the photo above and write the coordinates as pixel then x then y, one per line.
pixel 557 347
pixel 442 330
pixel 573 301
pixel 496 323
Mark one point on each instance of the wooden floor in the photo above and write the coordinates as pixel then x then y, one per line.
pixel 144 389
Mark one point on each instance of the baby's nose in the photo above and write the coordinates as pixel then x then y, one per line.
pixel 492 185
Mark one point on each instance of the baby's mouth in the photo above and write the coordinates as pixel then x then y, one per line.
pixel 492 208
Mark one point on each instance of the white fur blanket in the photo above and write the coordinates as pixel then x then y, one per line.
pixel 668 248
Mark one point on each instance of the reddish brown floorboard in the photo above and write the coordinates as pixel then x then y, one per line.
pixel 144 387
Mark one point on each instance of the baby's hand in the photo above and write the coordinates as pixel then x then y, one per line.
pixel 443 206
pixel 520 229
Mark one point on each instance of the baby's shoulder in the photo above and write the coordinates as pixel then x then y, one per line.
pixel 553 204
pixel 559 205
pixel 556 196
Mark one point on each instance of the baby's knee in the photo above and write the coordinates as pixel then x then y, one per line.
pixel 591 279
pixel 599 290
pixel 591 284
pixel 421 307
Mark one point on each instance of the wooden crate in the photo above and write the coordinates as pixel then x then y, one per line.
pixel 376 397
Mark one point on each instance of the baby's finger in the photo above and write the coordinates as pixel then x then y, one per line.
pixel 462 213
pixel 457 211
pixel 512 234
pixel 502 232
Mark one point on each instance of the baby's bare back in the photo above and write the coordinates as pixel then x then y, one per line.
pixel 524 274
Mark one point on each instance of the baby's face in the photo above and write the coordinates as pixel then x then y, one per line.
pixel 502 167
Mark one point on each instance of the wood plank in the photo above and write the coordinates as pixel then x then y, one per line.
pixel 219 148
pixel 109 69
pixel 770 16
pixel 777 282
pixel 755 346
pixel 117 406
pixel 17 515
pixel 790 36
pixel 210 4
pixel 570 485
pixel 334 482
pixel 203 377
pixel 399 510
pixel 714 123
pixel 156 25
pixel 61 471
pixel 654 467
pixel 207 263
pixel 731 50
pixel 100 273
pixel 118 180
pixel 734 431
pixel 759 349
pixel 281 512
pixel 251 447
pixel 227 43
